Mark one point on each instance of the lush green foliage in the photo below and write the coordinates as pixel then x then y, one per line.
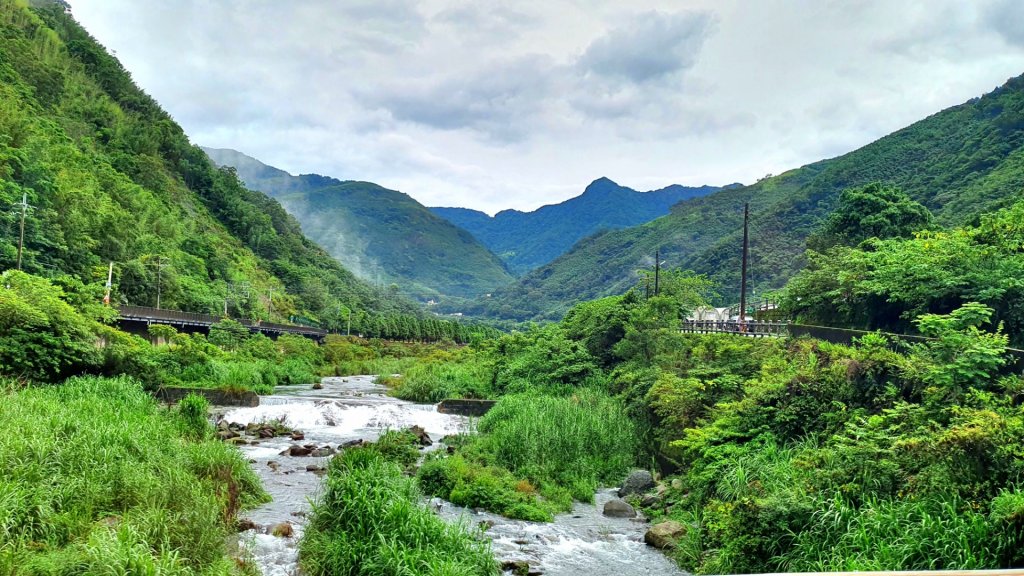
pixel 95 479
pixel 381 235
pixel 526 240
pixel 961 162
pixel 41 335
pixel 370 520
pixel 535 453
pixel 885 284
pixel 872 211
pixel 812 456
pixel 111 178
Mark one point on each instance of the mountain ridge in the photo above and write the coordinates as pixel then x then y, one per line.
pixel 959 162
pixel 527 240
pixel 382 235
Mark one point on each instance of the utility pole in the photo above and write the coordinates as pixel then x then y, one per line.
pixel 110 279
pixel 657 270
pixel 743 271
pixel 270 302
pixel 21 241
pixel 159 278
pixel 348 328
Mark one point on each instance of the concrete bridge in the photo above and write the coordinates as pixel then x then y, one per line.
pixel 136 319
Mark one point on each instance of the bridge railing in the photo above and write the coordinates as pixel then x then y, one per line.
pixel 164 316
pixel 753 328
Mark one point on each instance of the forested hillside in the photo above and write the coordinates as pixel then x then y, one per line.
pixel 381 235
pixel 961 162
pixel 526 240
pixel 110 177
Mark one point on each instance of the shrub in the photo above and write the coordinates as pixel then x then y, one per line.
pixel 96 479
pixel 370 520
pixel 42 337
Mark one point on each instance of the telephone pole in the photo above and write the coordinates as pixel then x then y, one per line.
pixel 110 279
pixel 743 272
pixel 21 240
pixel 657 269
pixel 159 278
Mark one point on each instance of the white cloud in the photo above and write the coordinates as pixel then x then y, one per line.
pixel 495 104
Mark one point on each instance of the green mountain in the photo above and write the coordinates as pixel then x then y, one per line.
pixel 110 177
pixel 382 235
pixel 527 240
pixel 961 162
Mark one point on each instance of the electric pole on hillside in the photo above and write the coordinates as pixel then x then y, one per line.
pixel 110 283
pixel 743 271
pixel 159 278
pixel 657 270
pixel 21 240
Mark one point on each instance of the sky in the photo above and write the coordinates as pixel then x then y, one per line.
pixel 492 104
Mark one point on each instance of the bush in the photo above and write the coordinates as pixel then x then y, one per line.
pixel 96 479
pixel 577 442
pixel 370 520
pixel 42 337
pixel 194 412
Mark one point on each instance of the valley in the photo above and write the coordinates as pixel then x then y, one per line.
pixel 629 415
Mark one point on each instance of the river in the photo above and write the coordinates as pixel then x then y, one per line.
pixel 583 542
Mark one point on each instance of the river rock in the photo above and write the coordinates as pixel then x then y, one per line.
pixel 517 567
pixel 323 452
pixel 677 483
pixel 283 530
pixel 226 435
pixel 421 435
pixel 638 482
pixel 297 435
pixel 266 432
pixel 618 509
pixel 296 450
pixel 664 535
pixel 318 386
pixel 246 524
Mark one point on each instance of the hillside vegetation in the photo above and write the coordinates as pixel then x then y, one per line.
pixel 381 235
pixel 959 163
pixel 109 177
pixel 526 240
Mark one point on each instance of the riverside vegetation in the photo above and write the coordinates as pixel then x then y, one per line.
pixel 780 454
pixel 785 455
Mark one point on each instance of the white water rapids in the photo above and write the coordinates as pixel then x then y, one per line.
pixel 581 543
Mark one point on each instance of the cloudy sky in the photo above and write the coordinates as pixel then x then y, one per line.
pixel 492 104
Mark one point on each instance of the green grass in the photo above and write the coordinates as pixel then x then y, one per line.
pixel 578 442
pixel 96 479
pixel 934 533
pixel 434 379
pixel 370 520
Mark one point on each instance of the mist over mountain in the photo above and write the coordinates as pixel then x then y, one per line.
pixel 383 236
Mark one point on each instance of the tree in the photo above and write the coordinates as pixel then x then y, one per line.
pixel 872 211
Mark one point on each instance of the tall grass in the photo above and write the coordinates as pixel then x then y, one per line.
pixel 578 442
pixel 370 521
pixel 433 381
pixel 96 479
pixel 932 534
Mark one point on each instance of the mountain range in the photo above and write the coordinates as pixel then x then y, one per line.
pixel 110 178
pixel 527 240
pixel 382 235
pixel 960 163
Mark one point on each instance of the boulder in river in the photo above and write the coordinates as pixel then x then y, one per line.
pixel 323 452
pixel 618 509
pixel 517 567
pixel 283 530
pixel 297 435
pixel 638 482
pixel 246 524
pixel 296 450
pixel 421 435
pixel 665 535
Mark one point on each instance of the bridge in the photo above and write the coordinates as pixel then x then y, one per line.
pixel 752 328
pixel 140 317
